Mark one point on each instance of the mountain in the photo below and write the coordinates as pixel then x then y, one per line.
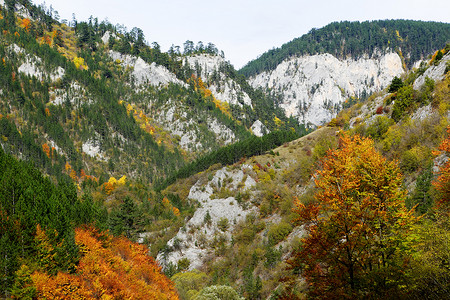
pixel 245 229
pixel 106 139
pixel 103 116
pixel 315 76
pixel 314 89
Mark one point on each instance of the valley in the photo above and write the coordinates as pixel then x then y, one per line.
pixel 129 172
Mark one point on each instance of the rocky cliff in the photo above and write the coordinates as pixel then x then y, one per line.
pixel 314 88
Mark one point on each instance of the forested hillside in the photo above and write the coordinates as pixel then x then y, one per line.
pixel 414 39
pixel 129 172
pixel 74 95
pixel 43 255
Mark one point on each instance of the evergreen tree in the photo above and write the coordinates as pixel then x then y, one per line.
pixel 396 84
pixel 125 220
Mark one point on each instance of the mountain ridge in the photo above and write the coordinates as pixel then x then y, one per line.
pixel 358 38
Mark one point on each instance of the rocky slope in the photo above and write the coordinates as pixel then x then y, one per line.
pixel 211 69
pixel 191 242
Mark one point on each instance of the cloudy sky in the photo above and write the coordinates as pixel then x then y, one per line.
pixel 243 29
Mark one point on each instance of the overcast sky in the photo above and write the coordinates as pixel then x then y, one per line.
pixel 243 29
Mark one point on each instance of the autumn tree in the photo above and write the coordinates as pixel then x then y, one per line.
pixel 356 229
pixel 109 268
pixel 431 263
pixel 442 183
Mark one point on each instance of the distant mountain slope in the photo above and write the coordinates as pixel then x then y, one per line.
pixel 314 88
pixel 313 77
pixel 416 39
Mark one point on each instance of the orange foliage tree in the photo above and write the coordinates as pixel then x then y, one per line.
pixel 25 23
pixel 442 182
pixel 356 229
pixel 110 268
pixel 46 150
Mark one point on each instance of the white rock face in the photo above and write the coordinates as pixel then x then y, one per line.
pixel 75 94
pixel 222 132
pixel 29 68
pixel 434 72
pixel 107 35
pixel 228 90
pixel 259 129
pixel 57 74
pixel 144 73
pixel 192 239
pixel 173 117
pixel 314 87
pixel 23 11
pixel 16 49
pixel 423 113
pixel 180 125
pixel 33 65
pixel 93 150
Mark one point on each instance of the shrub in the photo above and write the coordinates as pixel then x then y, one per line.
pixel 223 224
pixel 322 146
pixel 278 232
pixel 379 110
pixel 245 236
pixel 183 264
pixel 207 219
pixel 272 256
pixel 438 57
pixel 392 137
pixel 189 283
pixel 219 243
pixel 218 292
pixel 426 90
pixel 402 102
pixel 264 208
pixel 379 127
pixel 336 122
pixel 410 160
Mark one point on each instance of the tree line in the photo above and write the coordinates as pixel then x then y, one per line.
pixel 231 154
pixel 415 39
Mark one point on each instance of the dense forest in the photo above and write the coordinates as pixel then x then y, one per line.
pixel 414 39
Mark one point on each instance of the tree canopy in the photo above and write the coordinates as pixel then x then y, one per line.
pixel 356 228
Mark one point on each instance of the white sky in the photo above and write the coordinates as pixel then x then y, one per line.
pixel 243 29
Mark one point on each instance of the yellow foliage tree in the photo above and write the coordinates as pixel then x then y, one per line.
pixel 122 180
pixel 357 243
pixel 79 63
